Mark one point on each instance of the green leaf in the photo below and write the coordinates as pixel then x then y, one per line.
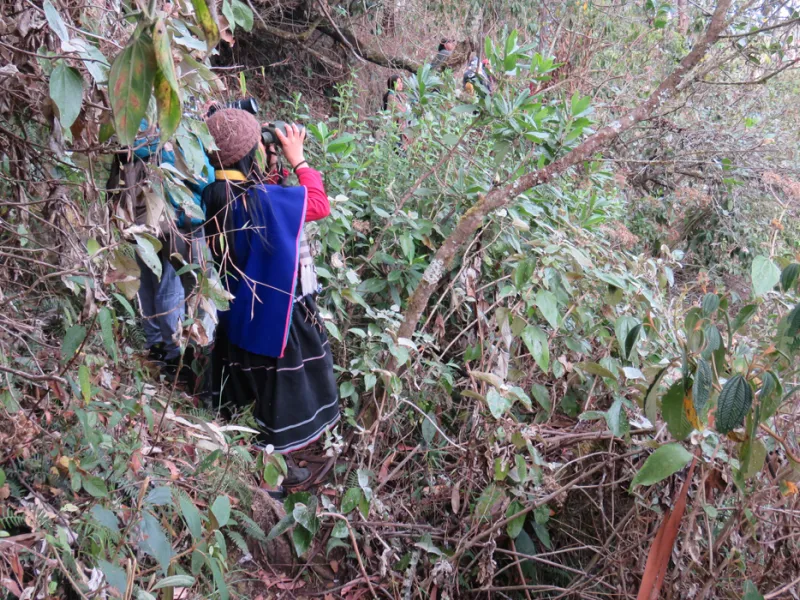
pixel 207 23
pixel 301 538
pixel 352 498
pixel 105 517
pixel 617 419
pixel 130 85
pixel 55 22
pixel 769 396
pixel 579 104
pixel 674 414
pixel 149 254
pixel 173 581
pixel 710 304
pixel 733 404
pixel 281 527
pixel 753 454
pixel 751 592
pixel 793 322
pixel 85 383
pixel 116 576
pixel 107 329
pixel 743 316
pixel 160 496
pixel 219 578
pixel 498 404
pixel 242 15
pixel 523 274
pixel 764 275
pixel 622 328
pixel 548 305
pixel 662 463
pixel 789 276
pixel 227 12
pixel 631 339
pixel 515 526
pixel 428 428
pixel 221 509
pixel 306 514
pixel 701 390
pixel 167 90
pixel 537 343
pixel 488 500
pixel 191 515
pixel 155 542
pixel 542 396
pixel 595 369
pixel 95 486
pixel 543 534
pixel 66 90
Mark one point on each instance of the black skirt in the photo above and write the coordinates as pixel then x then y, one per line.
pixel 295 397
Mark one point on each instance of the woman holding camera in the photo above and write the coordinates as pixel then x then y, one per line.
pixel 271 349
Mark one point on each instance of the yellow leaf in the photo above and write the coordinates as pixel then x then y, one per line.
pixel 691 413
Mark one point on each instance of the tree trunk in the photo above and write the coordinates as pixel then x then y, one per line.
pixel 500 197
pixel 683 17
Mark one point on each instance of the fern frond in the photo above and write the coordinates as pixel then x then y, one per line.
pixel 240 542
pixel 250 527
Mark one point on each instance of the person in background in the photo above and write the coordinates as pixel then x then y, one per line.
pixel 396 103
pixel 162 299
pixel 446 47
pixel 271 350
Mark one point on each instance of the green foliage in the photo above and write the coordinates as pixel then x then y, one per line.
pixel 662 463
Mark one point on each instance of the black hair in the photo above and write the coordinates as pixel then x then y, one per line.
pixel 391 85
pixel 217 198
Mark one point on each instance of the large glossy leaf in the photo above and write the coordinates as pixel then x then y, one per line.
pixel 55 21
pixel 155 542
pixel 207 23
pixel 733 404
pixel 710 304
pixel 631 339
pixel 764 275
pixel 548 305
pixel 147 249
pixel 701 391
pixel 662 463
pixel 498 404
pixel 107 328
pixel 595 369
pixel 221 509
pixel 793 322
pixel 515 526
pixel 302 538
pixel 789 276
pixel 115 576
pixel 672 410
pixel 537 343
pixel 622 328
pixel 352 498
pixel 73 339
pixel 743 316
pixel 242 15
pixel 191 515
pixel 66 90
pixel 617 419
pixel 167 91
pixel 752 457
pixel 183 581
pixel 130 85
pixel 751 592
pixel 770 396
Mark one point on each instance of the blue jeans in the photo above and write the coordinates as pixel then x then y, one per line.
pixel 162 305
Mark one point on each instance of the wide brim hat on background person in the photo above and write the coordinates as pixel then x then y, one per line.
pixel 236 132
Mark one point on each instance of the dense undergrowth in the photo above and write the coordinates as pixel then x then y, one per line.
pixel 594 336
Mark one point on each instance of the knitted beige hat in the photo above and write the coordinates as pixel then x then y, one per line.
pixel 236 133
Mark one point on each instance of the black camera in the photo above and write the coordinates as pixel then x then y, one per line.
pixel 246 104
pixel 269 135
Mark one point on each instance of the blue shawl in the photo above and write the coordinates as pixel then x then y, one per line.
pixel 268 223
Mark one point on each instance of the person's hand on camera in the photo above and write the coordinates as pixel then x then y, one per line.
pixel 292 144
